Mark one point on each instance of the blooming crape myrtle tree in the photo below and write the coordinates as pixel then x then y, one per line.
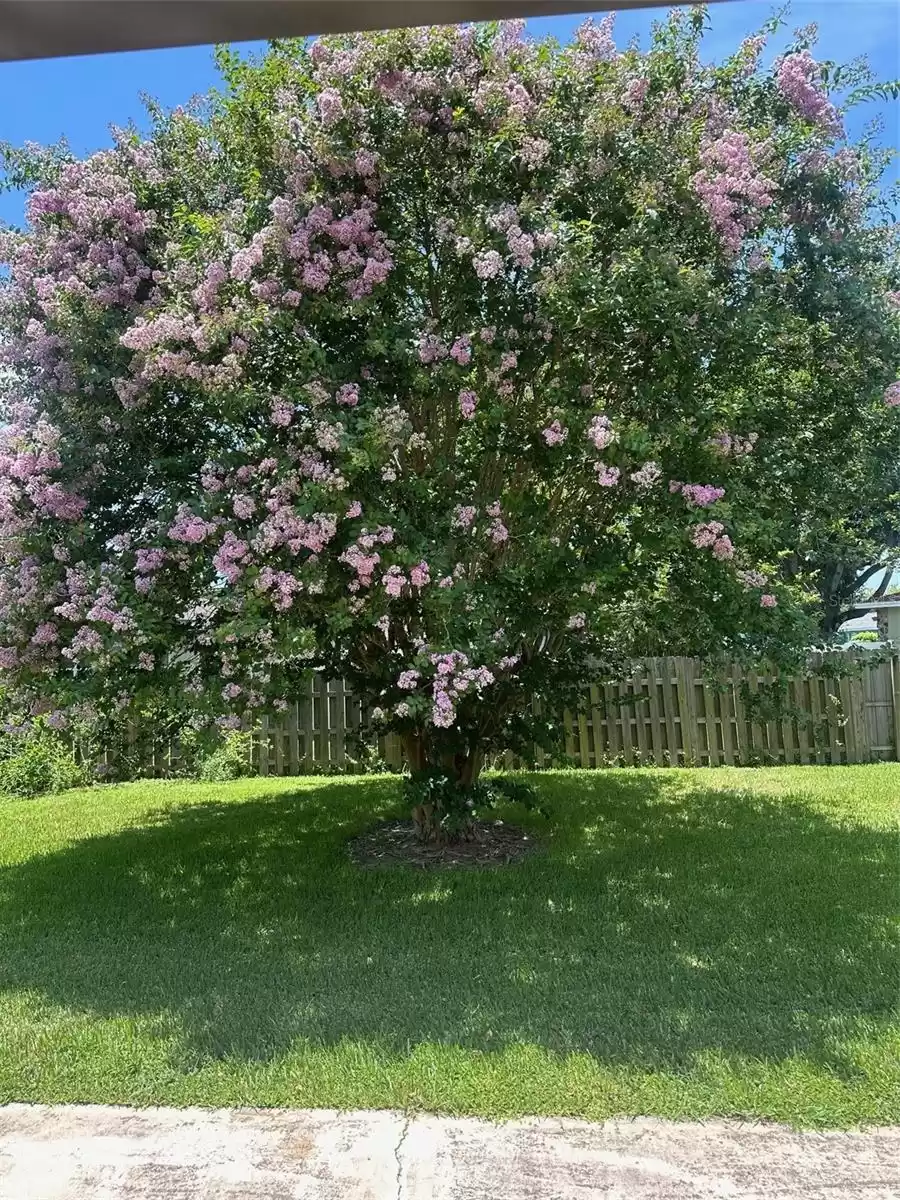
pixel 409 357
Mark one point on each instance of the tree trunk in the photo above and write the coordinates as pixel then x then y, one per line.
pixel 429 818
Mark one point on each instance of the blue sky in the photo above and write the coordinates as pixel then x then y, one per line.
pixel 80 97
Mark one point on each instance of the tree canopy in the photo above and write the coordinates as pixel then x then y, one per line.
pixel 441 360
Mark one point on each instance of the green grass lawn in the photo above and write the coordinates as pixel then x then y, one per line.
pixel 691 943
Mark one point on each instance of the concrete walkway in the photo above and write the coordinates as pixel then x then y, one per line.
pixel 100 1153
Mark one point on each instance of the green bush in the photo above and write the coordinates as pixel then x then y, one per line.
pixel 231 760
pixel 37 763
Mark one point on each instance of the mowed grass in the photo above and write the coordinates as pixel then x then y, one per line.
pixel 691 943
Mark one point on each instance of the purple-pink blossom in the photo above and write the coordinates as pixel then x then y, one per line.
pixel 601 432
pixel 281 412
pixel 394 581
pixel 348 394
pixel 752 579
pixel 732 189
pixel 607 476
pixel 646 476
pixel 704 535
pixel 330 106
pixel 189 527
pixel 468 401
pixel 461 351
pixel 799 80
pixel 767 600
pixel 487 265
pixel 700 495
pixel 46 634
pixel 419 575
pixel 554 434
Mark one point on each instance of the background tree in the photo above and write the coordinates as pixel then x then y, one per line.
pixel 423 358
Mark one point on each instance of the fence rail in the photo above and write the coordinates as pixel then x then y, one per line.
pixel 670 712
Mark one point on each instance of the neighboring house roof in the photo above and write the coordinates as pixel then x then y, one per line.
pixel 889 600
pixel 860 624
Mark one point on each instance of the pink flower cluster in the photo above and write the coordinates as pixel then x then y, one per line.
pixel 330 106
pixel 85 641
pixel 768 600
pixel 231 557
pixel 752 579
pixel 733 191
pixel 468 401
pixel 555 434
pixel 453 678
pixel 281 585
pixel 148 560
pixel 731 445
pixel 892 395
pixel 281 412
pixel 394 581
pixel 700 495
pixel 46 634
pixel 521 246
pixel 594 43
pixel 463 516
pixel 607 476
pixel 189 527
pixel 348 394
pixel 711 536
pixel 487 265
pixel 799 80
pixel 646 476
pixel 363 564
pixel 601 432
pixel 432 348
pixel 461 351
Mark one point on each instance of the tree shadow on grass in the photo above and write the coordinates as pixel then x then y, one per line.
pixel 666 919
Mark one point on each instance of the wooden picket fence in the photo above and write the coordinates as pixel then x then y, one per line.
pixel 670 712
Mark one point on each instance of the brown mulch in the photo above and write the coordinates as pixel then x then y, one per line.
pixel 394 843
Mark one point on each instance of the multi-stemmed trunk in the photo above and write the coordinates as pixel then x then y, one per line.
pixel 431 818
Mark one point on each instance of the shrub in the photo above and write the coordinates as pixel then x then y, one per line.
pixel 38 763
pixel 230 761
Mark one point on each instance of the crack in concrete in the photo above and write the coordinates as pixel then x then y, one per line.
pixel 407 1121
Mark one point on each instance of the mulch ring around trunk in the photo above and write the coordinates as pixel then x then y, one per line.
pixel 394 843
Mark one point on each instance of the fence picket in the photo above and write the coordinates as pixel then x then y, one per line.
pixel 709 716
pixel 656 723
pixel 640 728
pixel 670 708
pixel 596 727
pixel 613 727
pixel 625 714
pixel 818 728
pixel 726 707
